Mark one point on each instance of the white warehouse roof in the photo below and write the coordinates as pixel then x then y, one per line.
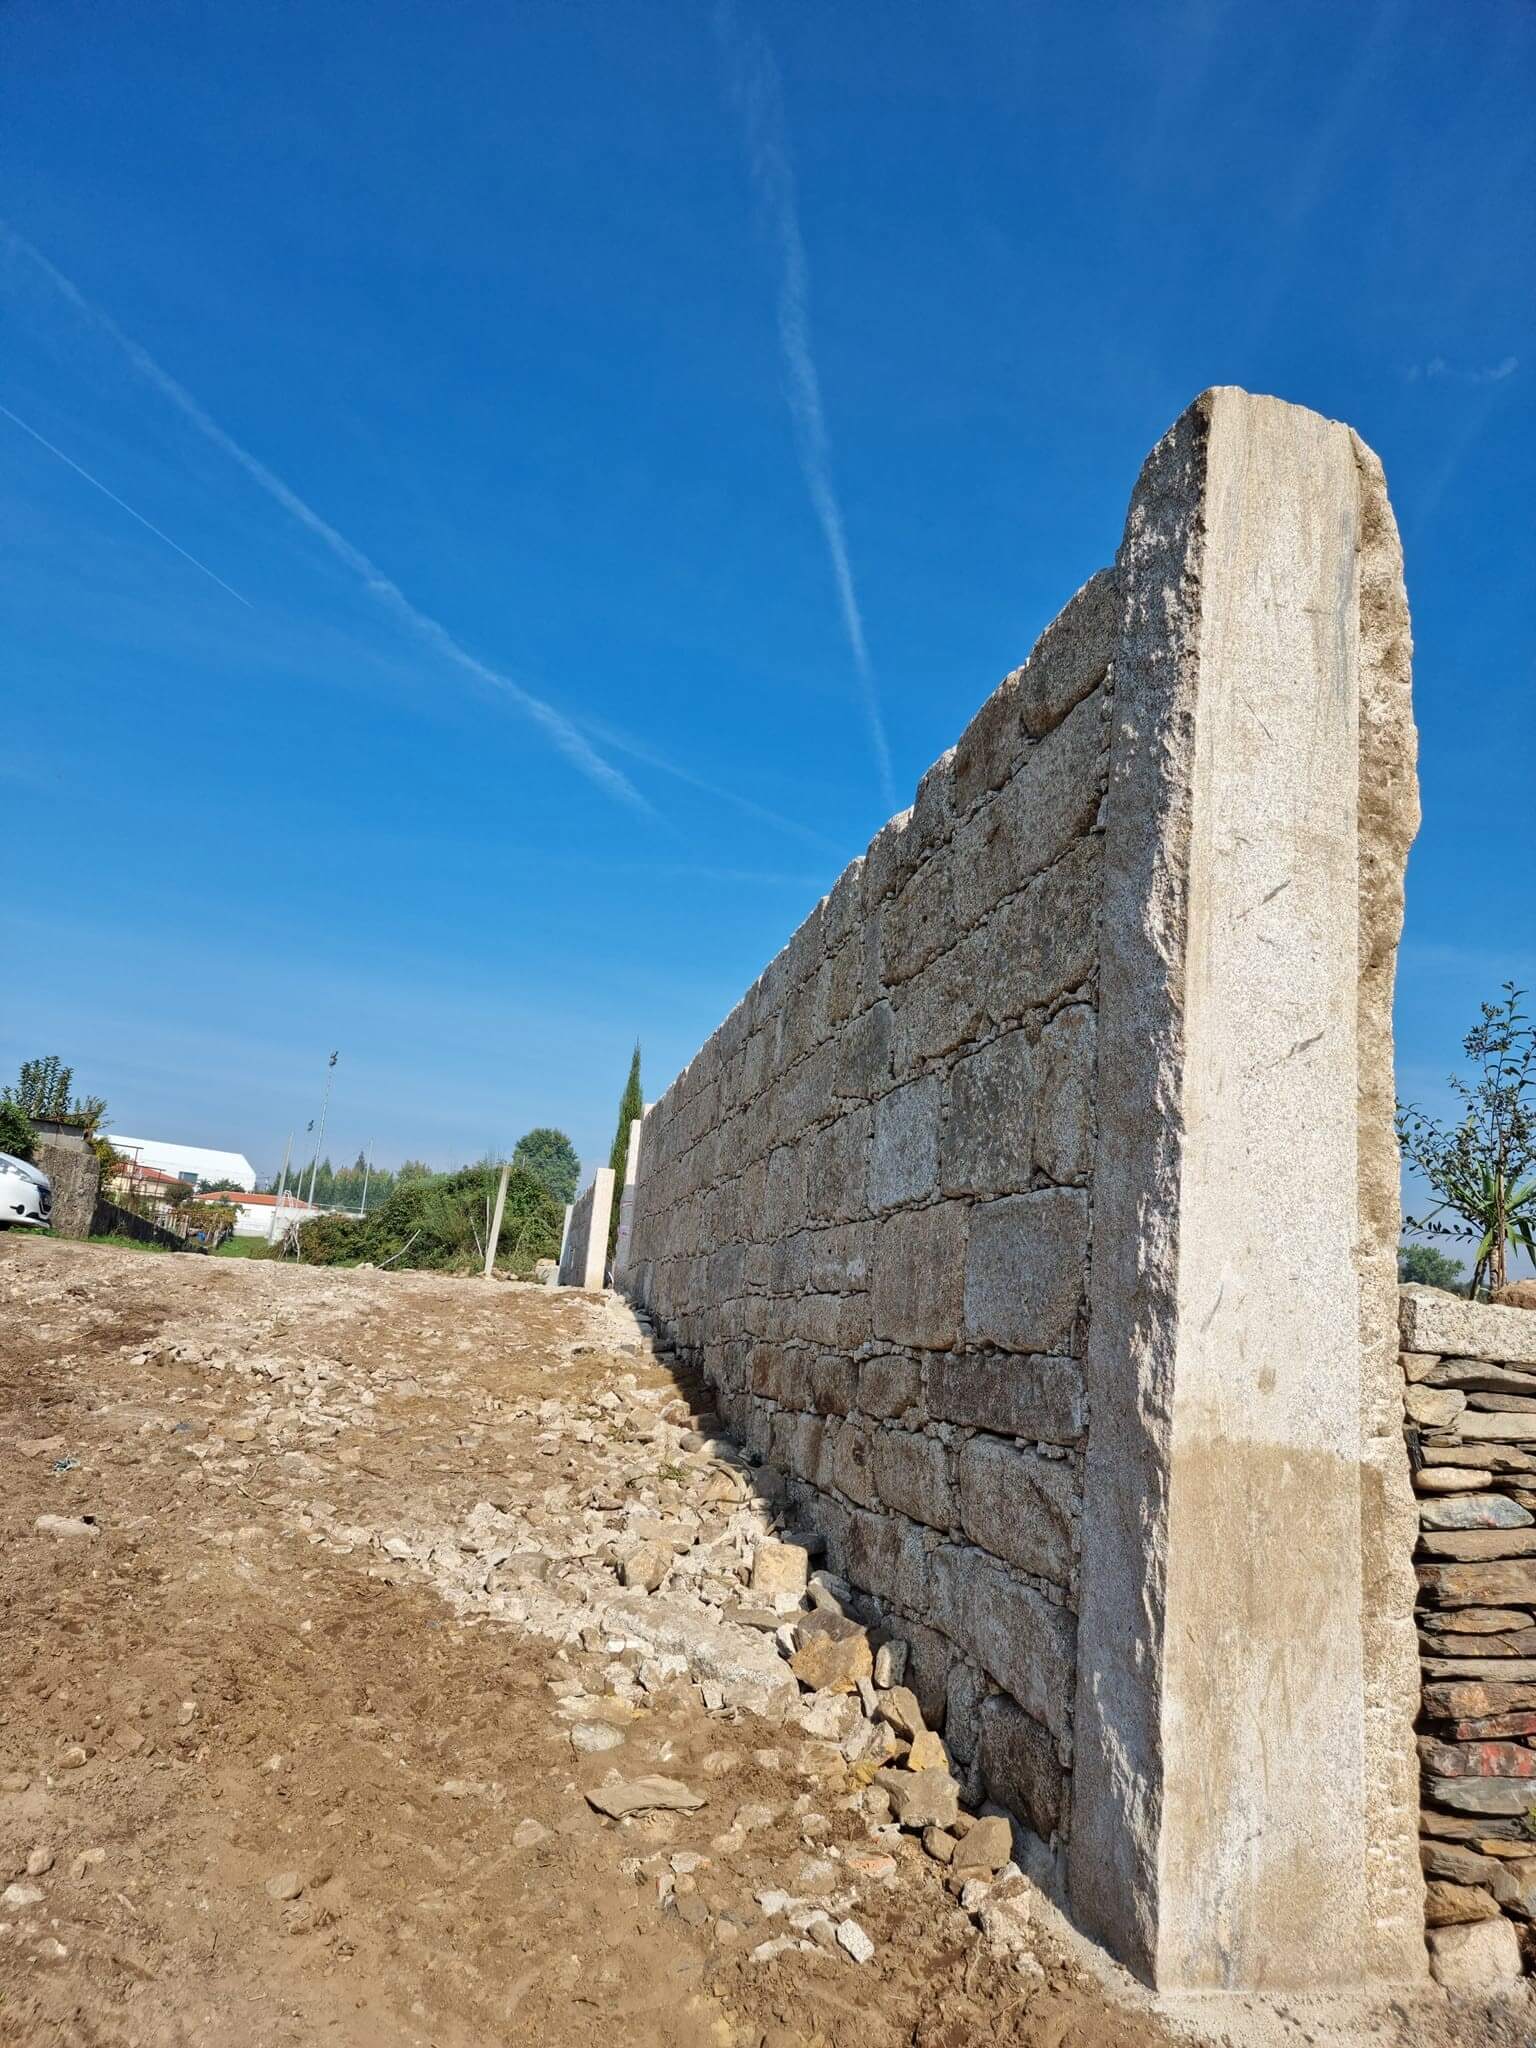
pixel 186 1159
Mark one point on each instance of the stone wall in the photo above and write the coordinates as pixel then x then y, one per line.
pixel 1470 1402
pixel 74 1174
pixel 584 1249
pixel 1034 1213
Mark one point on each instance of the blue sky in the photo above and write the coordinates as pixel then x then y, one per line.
pixel 617 447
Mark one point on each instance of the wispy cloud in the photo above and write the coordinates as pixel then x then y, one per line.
pixel 1438 368
pixel 758 93
pixel 388 594
pixel 122 503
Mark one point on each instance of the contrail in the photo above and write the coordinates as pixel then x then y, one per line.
pixel 622 744
pixel 70 463
pixel 758 93
pixel 553 723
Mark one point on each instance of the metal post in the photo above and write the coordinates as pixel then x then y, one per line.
pixel 367 1169
pixel 495 1237
pixel 282 1189
pixel 325 1103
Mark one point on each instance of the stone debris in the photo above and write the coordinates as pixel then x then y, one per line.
pixel 852 1938
pixel 662 1561
pixel 619 1797
pixel 66 1525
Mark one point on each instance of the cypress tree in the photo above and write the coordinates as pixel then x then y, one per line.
pixel 631 1105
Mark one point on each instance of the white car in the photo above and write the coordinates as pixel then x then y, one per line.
pixel 26 1193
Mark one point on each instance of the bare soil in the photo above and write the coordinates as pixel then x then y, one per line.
pixel 265 1744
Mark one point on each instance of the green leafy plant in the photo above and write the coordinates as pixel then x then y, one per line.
pixel 42 1089
pixel 15 1130
pixel 1483 1167
pixel 550 1157
pixel 438 1222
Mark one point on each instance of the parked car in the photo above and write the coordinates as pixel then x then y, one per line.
pixel 26 1193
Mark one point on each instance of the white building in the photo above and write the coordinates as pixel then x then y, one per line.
pixel 263 1215
pixel 187 1162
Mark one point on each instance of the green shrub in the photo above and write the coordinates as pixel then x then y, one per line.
pixel 15 1130
pixel 440 1224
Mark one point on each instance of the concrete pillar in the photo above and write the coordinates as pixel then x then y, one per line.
pixel 584 1253
pixel 627 1203
pixel 1244 1799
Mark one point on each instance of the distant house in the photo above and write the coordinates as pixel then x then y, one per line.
pixel 132 1177
pixel 186 1162
pixel 256 1215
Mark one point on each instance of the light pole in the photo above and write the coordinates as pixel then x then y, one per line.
pixel 325 1103
pixel 367 1169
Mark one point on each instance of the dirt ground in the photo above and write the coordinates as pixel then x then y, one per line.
pixel 294 1736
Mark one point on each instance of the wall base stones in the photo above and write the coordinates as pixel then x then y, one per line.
pixel 1469 1398
pixel 1028 1214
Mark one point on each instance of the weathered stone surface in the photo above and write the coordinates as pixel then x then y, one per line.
pixel 780 1567
pixel 1047 937
pixel 1023 1640
pixel 904 1157
pixel 911 1474
pixel 921 1799
pixel 1036 1397
pixel 1019 1506
pixel 1064 1115
pixel 1518 1294
pixel 1456 1328
pixel 1497 1428
pixel 1471 1546
pixel 1020 1767
pixel 1482 1795
pixel 1244 1017
pixel 826 1663
pixel 989 1127
pixel 918 1279
pixel 1480 1956
pixel 1506 1580
pixel 1457 1905
pixel 987 1846
pixel 1024 1270
pixel 622 1796
pixel 1051 801
pixel 1450 1478
pixel 1477 1759
pixel 899 1705
pixel 1434 1407
pixel 1475 1511
pixel 1476 1376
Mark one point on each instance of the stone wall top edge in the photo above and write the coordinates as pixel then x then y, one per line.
pixel 1430 1320
pixel 888 859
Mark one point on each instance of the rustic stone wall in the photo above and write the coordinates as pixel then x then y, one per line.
pixel 1470 1402
pixel 841 1193
pixel 1031 1213
pixel 74 1173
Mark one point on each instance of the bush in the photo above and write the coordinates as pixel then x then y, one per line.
pixel 440 1224
pixel 15 1131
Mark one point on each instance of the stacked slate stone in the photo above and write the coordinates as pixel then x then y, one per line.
pixel 1471 1407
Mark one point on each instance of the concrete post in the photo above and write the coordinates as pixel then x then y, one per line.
pixel 627 1203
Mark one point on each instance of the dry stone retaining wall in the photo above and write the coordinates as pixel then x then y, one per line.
pixel 1470 1401
pixel 969 1211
